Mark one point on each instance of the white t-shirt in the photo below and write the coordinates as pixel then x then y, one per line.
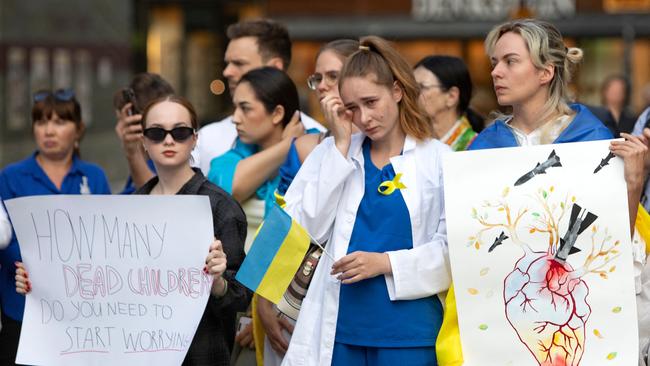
pixel 217 138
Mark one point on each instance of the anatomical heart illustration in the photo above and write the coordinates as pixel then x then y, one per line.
pixel 541 256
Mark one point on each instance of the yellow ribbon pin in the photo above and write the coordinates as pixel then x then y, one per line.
pixel 387 187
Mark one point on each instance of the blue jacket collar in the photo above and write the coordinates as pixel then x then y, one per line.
pixel 584 127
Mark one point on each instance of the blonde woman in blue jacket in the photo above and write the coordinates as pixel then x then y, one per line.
pixel 377 198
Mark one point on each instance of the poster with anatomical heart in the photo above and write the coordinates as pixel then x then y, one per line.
pixel 541 257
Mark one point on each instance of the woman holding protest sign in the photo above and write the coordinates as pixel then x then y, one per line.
pixel 169 128
pixel 54 168
pixel 376 197
pixel 531 67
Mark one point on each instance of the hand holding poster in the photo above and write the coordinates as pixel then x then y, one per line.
pixel 115 279
pixel 541 256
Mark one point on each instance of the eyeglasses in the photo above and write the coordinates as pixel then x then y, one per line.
pixel 61 95
pixel 179 134
pixel 331 78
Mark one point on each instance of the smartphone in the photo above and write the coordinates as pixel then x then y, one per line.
pixel 243 322
pixel 129 97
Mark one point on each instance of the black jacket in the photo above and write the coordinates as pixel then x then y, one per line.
pixel 208 346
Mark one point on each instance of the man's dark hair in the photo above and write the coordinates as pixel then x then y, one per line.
pixel 272 38
pixel 145 87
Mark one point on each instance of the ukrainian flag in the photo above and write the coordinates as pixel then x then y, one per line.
pixel 275 255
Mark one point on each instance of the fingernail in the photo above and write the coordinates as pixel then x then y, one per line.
pixel 205 270
pixel 26 275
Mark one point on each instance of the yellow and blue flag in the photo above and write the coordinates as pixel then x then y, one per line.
pixel 275 255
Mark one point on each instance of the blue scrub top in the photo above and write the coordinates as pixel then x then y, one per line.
pixel 222 171
pixel 129 186
pixel 367 316
pixel 27 178
pixel 289 169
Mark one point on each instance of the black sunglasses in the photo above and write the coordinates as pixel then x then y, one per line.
pixel 158 134
pixel 61 95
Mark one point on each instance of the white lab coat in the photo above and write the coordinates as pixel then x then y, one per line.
pixel 324 198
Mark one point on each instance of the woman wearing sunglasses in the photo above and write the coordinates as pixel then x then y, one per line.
pixel 169 128
pixel 54 168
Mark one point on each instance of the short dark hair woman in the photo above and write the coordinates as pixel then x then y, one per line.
pixel 54 168
pixel 445 93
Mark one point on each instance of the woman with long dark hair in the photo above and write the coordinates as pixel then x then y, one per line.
pixel 267 119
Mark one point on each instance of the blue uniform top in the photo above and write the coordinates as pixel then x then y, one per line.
pixel 289 169
pixel 27 178
pixel 222 170
pixel 367 317
pixel 129 187
pixel 584 127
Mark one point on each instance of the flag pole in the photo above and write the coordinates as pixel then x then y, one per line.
pixel 320 246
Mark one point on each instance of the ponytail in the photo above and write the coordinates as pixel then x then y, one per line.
pixel 378 58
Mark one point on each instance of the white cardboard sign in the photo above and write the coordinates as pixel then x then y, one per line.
pixel 116 280
pixel 541 256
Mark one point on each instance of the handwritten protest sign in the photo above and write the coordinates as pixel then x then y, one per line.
pixel 116 280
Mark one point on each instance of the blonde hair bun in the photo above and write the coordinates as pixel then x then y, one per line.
pixel 574 55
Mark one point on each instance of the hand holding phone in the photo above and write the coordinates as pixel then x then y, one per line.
pixel 128 127
pixel 129 97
